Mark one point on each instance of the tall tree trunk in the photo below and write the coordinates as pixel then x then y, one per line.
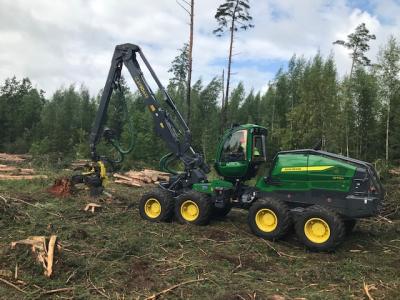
pixel 222 124
pixel 228 77
pixel 387 132
pixel 347 137
pixel 189 79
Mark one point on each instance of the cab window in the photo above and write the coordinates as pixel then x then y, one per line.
pixel 234 148
pixel 259 147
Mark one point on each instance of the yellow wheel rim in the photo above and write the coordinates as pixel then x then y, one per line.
pixel 152 208
pixel 189 210
pixel 266 220
pixel 317 230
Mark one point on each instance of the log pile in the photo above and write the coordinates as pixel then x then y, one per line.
pixel 80 163
pixel 141 178
pixel 14 173
pixel 13 157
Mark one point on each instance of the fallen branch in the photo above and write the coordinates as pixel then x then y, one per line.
pixel 44 252
pixel 57 291
pixel 30 204
pixel 154 296
pixel 280 253
pixel 98 290
pixel 12 285
pixel 368 288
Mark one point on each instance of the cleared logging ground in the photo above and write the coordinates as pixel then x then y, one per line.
pixel 114 254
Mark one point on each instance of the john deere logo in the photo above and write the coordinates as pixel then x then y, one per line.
pixel 305 169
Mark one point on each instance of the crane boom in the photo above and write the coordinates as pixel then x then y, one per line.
pixel 176 135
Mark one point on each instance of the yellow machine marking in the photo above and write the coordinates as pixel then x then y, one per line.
pixel 305 169
pixel 152 108
pixel 161 125
pixel 141 87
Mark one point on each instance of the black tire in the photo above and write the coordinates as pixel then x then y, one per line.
pixel 193 208
pixel 349 225
pixel 162 202
pixel 220 212
pixel 328 233
pixel 278 220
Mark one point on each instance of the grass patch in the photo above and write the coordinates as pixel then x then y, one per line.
pixel 114 253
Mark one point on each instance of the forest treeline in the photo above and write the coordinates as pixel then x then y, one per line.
pixel 306 102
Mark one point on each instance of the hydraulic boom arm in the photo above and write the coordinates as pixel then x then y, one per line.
pixel 177 135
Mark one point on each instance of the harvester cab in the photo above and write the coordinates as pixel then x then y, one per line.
pixel 241 152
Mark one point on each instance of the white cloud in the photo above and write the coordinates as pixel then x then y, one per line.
pixel 57 43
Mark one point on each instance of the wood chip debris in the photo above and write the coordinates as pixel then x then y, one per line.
pixel 141 178
pixel 92 207
pixel 44 251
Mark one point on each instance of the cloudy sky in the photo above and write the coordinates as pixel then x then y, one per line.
pixel 57 43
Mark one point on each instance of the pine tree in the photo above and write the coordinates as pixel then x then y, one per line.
pixel 232 16
pixel 358 43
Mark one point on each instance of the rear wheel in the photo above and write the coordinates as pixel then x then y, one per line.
pixel 320 229
pixel 193 208
pixel 156 205
pixel 269 218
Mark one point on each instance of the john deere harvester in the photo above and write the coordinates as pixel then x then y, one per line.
pixel 320 193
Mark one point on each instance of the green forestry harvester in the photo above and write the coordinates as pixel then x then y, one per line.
pixel 321 193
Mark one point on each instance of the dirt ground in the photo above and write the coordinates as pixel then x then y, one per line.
pixel 114 254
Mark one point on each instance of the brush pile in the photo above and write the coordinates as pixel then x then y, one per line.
pixel 141 178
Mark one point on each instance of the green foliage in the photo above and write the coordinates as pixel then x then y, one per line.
pixel 305 103
pixel 20 109
pixel 65 123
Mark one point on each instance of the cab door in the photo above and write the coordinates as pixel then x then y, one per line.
pixel 233 158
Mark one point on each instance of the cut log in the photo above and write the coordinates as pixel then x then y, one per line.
pixel 163 177
pixel 16 171
pixel 130 183
pixel 4 168
pixel 12 157
pixel 22 177
pixel 116 175
pixel 155 171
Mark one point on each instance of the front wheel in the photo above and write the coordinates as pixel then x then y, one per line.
pixel 193 208
pixel 320 229
pixel 269 218
pixel 156 205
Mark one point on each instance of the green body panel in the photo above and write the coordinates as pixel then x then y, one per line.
pixel 304 172
pixel 209 187
pixel 233 169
